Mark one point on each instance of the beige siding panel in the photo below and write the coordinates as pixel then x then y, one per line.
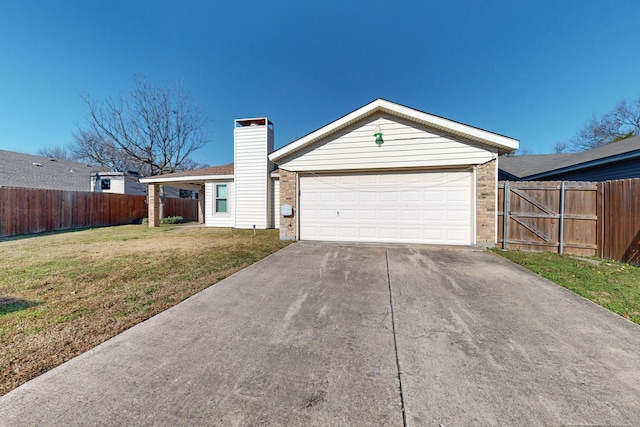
pixel 211 218
pixel 406 145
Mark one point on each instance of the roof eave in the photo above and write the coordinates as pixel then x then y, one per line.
pixel 160 180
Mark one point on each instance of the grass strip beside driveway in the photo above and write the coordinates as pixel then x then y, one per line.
pixel 613 285
pixel 62 294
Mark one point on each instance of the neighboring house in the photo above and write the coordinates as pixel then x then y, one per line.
pixel 21 170
pixel 617 160
pixel 117 182
pixel 382 173
pixel 29 171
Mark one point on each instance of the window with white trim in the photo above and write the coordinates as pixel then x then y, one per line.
pixel 221 198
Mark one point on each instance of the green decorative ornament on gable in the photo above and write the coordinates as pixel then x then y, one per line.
pixel 378 134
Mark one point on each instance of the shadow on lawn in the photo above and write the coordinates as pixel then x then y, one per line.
pixel 10 305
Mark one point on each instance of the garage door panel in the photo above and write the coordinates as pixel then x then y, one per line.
pixel 327 197
pixel 348 197
pixel 425 207
pixel 368 197
pixel 348 232
pixel 433 234
pixel 327 214
pixel 410 196
pixel 367 214
pixel 435 216
pixel 389 196
pixel 457 216
pixel 367 232
pixel 388 215
pixel 327 231
pixel 389 233
pixel 410 215
pixel 457 196
pixel 434 196
pixel 347 214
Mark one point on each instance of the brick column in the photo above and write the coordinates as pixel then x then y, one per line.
pixel 201 204
pixel 486 199
pixel 154 205
pixel 288 192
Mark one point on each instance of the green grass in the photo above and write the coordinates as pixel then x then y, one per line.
pixel 63 293
pixel 613 285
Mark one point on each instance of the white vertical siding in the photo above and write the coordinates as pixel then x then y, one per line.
pixel 211 217
pixel 406 145
pixel 252 144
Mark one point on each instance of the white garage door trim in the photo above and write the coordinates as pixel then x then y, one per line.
pixel 428 207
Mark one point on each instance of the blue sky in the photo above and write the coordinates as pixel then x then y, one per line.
pixel 530 70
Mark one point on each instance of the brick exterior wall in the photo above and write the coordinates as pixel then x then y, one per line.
pixel 288 189
pixel 486 197
pixel 154 205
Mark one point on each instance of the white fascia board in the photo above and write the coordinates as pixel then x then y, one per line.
pixel 503 143
pixel 324 131
pixel 160 180
pixel 466 131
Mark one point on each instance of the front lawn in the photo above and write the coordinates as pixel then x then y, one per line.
pixel 62 294
pixel 613 285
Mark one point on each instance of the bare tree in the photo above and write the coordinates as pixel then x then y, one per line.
pixel 620 123
pixel 91 147
pixel 561 147
pixel 58 152
pixel 154 129
pixel 522 151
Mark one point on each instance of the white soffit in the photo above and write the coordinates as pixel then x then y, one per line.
pixel 502 143
pixel 159 180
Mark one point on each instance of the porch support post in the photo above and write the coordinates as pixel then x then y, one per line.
pixel 154 205
pixel 201 204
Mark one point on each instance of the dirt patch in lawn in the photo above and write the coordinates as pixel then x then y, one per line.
pixel 62 294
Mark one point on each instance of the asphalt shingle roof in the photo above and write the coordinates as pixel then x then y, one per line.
pixel 213 170
pixel 526 166
pixel 29 171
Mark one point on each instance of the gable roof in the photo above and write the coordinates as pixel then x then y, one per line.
pixel 28 171
pixel 542 165
pixel 223 171
pixel 502 143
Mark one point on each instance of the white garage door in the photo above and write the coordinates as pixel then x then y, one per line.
pixel 425 207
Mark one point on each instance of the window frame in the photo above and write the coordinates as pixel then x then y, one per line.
pixel 217 198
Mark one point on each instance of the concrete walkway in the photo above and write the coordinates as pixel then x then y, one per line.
pixel 364 335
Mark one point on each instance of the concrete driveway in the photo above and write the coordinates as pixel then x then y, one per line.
pixel 364 335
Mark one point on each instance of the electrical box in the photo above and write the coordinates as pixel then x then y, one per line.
pixel 286 210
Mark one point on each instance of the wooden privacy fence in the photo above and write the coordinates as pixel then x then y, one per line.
pixel 581 218
pixel 620 214
pixel 186 208
pixel 24 211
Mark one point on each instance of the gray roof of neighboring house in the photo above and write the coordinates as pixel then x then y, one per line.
pixel 29 171
pixel 540 165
